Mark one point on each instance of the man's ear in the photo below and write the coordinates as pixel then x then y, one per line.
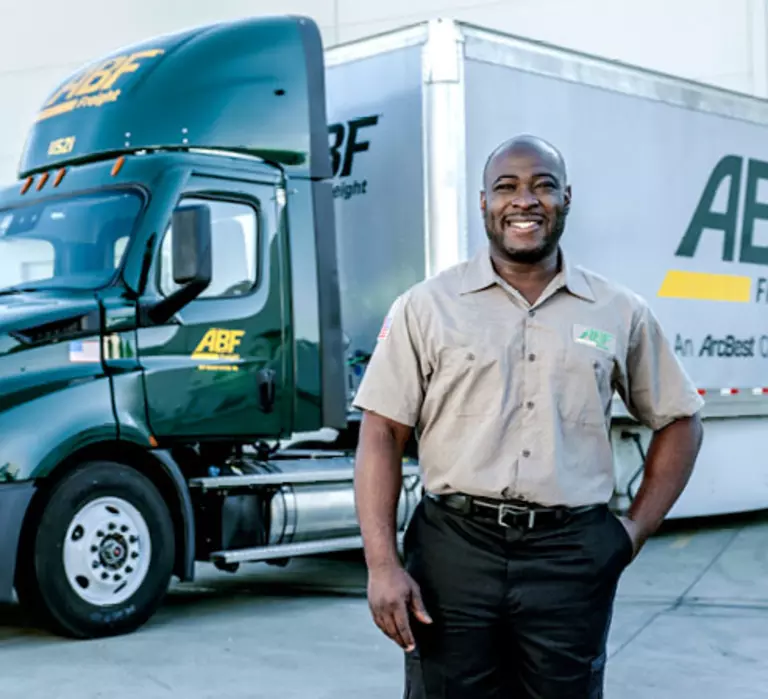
pixel 567 205
pixel 483 201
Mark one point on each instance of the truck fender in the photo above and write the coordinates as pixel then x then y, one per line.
pixel 185 562
pixel 14 502
pixel 130 413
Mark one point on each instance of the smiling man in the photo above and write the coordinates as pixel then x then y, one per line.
pixel 505 366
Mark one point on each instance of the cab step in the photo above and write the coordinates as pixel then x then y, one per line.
pixel 303 548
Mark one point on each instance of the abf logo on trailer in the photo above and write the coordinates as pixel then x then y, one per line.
pixel 349 139
pixel 738 245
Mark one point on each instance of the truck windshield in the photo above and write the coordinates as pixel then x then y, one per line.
pixel 72 243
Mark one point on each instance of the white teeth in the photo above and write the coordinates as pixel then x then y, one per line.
pixel 524 225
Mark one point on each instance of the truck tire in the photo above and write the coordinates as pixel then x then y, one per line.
pixel 102 554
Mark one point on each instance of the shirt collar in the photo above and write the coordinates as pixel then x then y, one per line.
pixel 479 274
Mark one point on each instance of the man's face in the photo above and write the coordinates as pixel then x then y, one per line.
pixel 525 204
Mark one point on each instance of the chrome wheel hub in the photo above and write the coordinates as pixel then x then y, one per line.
pixel 107 550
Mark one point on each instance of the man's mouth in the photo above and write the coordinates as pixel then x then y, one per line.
pixel 523 225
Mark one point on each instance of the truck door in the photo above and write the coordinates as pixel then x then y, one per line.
pixel 217 368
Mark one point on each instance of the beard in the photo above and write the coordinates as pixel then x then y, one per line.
pixel 529 256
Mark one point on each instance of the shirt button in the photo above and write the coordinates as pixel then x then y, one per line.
pixel 531 313
pixel 529 404
pixel 531 357
pixel 526 453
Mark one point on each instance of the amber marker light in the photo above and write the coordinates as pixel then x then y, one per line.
pixel 42 181
pixel 27 184
pixel 118 165
pixel 59 177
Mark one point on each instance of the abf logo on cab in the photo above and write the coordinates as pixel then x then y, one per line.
pixel 219 344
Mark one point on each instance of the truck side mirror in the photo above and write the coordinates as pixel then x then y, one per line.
pixel 191 246
pixel 191 258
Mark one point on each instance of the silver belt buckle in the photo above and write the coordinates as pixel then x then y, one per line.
pixel 515 509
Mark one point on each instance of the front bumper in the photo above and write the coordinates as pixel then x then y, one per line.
pixel 14 501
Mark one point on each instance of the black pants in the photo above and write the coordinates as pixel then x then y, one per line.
pixel 516 614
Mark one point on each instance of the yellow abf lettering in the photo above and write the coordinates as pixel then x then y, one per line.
pixel 102 77
pixel 218 343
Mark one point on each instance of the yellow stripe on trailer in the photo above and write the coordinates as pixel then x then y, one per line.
pixel 702 286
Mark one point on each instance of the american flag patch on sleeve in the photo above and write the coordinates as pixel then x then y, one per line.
pixel 387 324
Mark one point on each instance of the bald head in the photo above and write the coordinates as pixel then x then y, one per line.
pixel 527 144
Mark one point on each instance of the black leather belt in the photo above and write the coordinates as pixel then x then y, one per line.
pixel 509 514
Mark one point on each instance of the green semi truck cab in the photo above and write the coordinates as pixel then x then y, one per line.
pixel 169 311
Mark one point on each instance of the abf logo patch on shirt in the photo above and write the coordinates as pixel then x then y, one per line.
pixel 384 332
pixel 600 339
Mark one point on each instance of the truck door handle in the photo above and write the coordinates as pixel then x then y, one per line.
pixel 267 389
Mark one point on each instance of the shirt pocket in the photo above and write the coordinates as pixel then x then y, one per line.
pixel 473 381
pixel 585 385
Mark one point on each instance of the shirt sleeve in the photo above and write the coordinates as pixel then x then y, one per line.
pixel 656 388
pixel 395 380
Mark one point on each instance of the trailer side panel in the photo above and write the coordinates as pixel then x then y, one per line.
pixel 375 110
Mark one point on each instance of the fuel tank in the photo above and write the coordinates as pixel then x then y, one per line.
pixel 291 500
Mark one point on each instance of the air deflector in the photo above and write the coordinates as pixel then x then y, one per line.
pixel 253 86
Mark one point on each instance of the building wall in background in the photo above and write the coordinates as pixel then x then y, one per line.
pixel 722 42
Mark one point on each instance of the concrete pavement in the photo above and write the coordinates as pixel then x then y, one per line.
pixel 691 623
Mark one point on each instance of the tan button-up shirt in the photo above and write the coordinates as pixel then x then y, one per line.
pixel 512 400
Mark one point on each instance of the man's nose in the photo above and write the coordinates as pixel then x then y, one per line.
pixel 525 199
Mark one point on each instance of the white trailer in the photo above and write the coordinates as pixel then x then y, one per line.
pixel 669 199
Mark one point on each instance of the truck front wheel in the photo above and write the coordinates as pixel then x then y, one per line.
pixel 103 551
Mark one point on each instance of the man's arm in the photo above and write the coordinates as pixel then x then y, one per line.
pixel 668 467
pixel 378 480
pixel 390 397
pixel 392 593
pixel 660 394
